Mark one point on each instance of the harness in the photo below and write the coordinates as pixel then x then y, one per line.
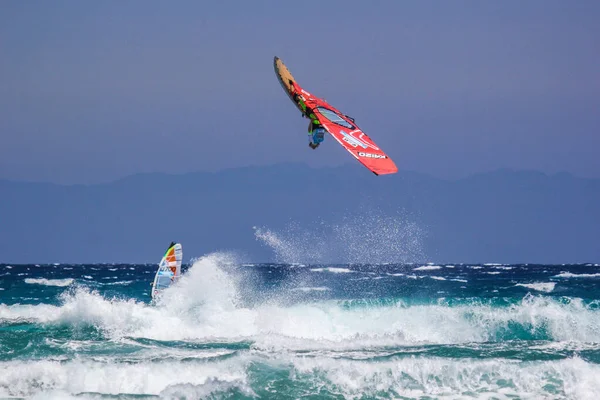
pixel 309 114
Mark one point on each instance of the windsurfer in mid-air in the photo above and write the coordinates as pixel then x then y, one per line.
pixel 324 117
pixel 316 132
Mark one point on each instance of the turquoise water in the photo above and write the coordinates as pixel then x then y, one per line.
pixel 232 330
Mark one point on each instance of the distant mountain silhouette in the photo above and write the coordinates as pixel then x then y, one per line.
pixel 503 216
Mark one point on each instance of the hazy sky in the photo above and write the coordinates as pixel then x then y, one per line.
pixel 93 91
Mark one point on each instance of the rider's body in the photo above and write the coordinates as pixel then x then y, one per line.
pixel 316 132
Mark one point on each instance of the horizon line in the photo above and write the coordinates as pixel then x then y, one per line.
pixel 305 165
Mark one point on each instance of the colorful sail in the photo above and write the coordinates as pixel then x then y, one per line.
pixel 169 269
pixel 342 127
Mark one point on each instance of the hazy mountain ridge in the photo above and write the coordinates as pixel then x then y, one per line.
pixel 500 216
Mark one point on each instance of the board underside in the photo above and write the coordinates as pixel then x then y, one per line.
pixel 285 78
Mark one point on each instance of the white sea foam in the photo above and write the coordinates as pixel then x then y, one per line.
pixel 118 283
pixel 410 377
pixel 312 289
pixel 49 282
pixel 335 270
pixel 428 268
pixel 571 275
pixel 18 378
pixel 443 378
pixel 540 286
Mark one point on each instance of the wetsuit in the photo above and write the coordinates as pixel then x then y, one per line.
pixel 315 130
pixel 317 134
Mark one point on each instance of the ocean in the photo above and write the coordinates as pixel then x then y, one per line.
pixel 229 330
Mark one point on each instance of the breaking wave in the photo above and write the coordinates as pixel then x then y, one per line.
pixel 202 339
pixel 205 305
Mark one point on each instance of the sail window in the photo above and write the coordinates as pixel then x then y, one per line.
pixel 335 118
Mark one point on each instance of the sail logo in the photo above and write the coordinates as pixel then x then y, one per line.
pixel 371 155
pixel 356 141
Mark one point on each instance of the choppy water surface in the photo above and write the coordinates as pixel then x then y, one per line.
pixel 231 330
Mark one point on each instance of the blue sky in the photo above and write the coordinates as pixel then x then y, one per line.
pixel 93 91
